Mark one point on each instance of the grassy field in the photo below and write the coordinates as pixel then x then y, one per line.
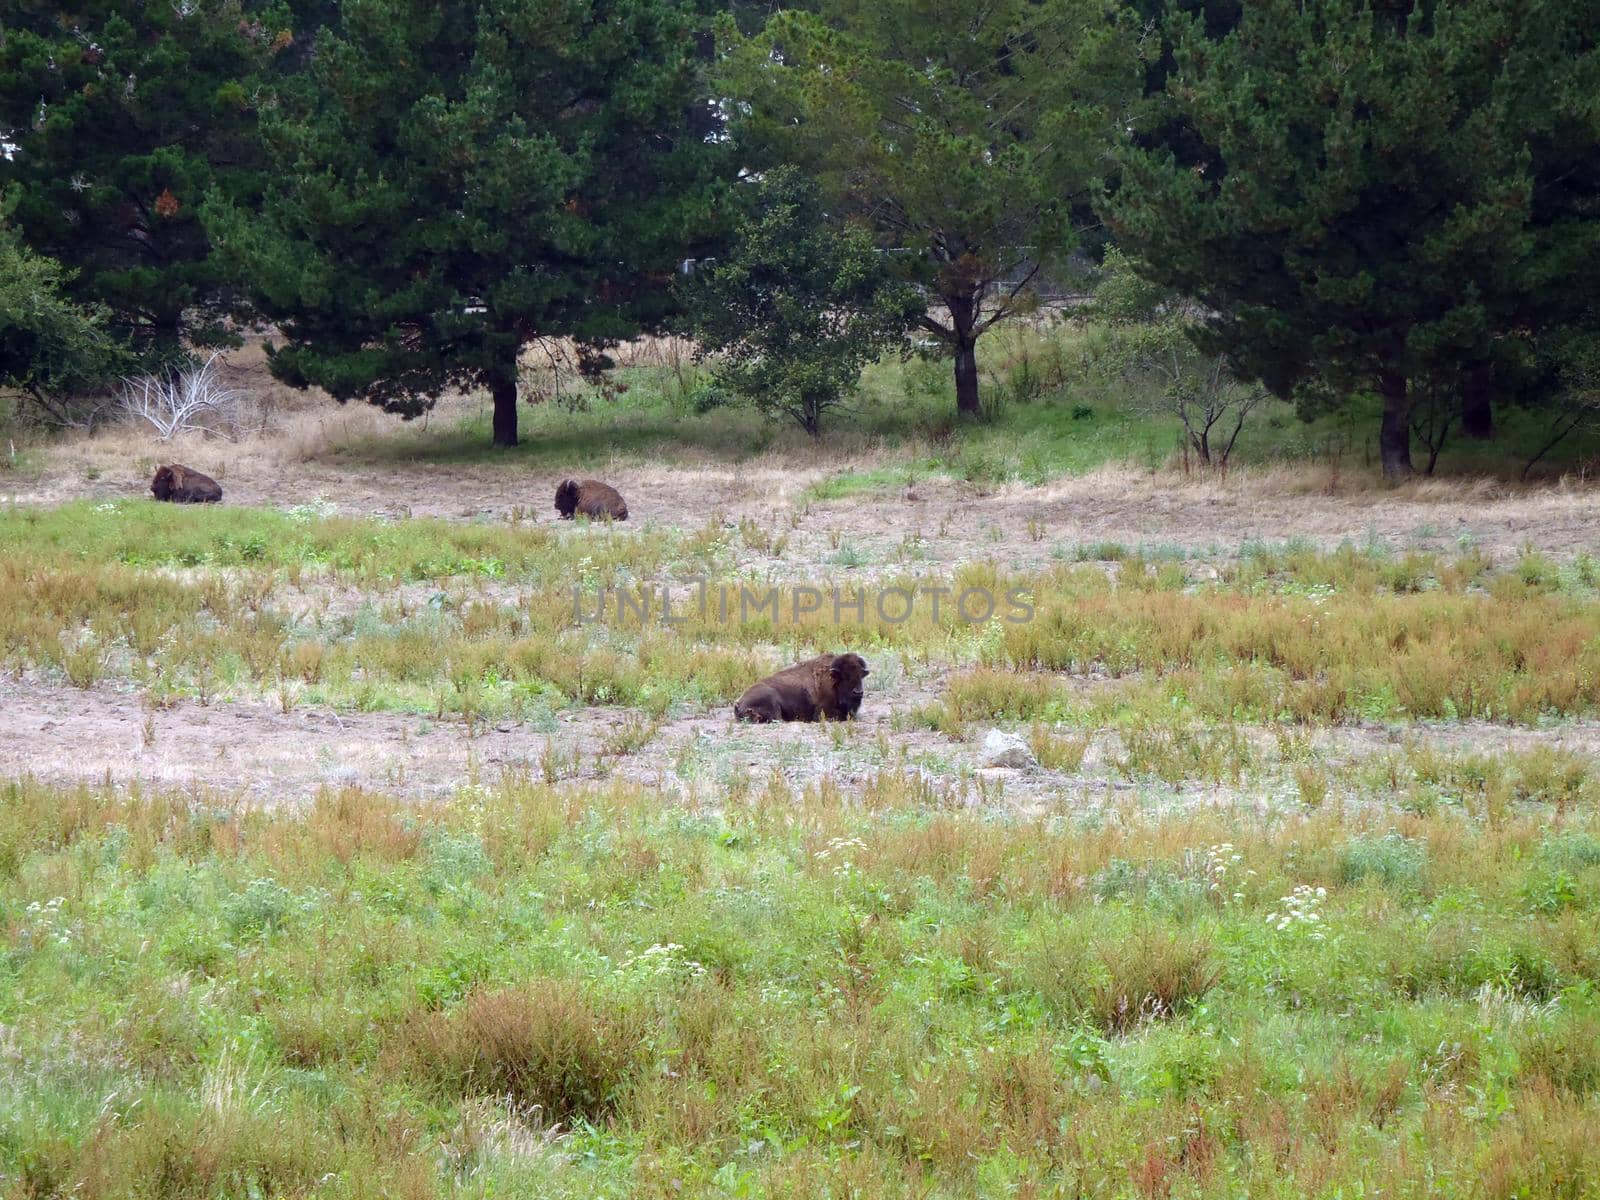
pixel 239 603
pixel 1322 974
pixel 340 856
pixel 529 991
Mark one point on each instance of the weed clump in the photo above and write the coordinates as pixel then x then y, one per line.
pixel 547 1045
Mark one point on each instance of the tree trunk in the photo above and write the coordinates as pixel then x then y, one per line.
pixel 1394 442
pixel 167 327
pixel 161 336
pixel 1477 404
pixel 965 344
pixel 503 389
pixel 1433 456
pixel 967 378
pixel 810 415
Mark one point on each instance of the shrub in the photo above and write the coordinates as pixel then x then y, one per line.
pixel 988 695
pixel 1571 851
pixel 1456 957
pixel 1154 975
pixel 1057 753
pixel 1565 1049
pixel 50 348
pixel 544 1044
pixel 182 401
pixel 264 905
pixel 1393 860
pixel 1152 347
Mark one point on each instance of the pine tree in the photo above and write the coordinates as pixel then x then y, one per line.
pixel 1552 75
pixel 1362 214
pixel 122 117
pixel 463 177
pixel 961 136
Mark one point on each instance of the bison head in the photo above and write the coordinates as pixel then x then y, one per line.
pixel 567 497
pixel 164 484
pixel 848 671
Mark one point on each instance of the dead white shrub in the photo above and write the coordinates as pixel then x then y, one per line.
pixel 184 401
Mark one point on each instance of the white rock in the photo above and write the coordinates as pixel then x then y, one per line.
pixel 1001 749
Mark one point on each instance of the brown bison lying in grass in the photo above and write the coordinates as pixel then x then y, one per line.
pixel 826 686
pixel 590 498
pixel 181 485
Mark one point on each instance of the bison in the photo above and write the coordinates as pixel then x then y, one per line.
pixel 591 498
pixel 181 485
pixel 828 686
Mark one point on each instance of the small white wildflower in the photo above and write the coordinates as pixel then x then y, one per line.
pixel 840 845
pixel 1220 859
pixel 662 960
pixel 1300 909
pixel 318 509
pixel 841 849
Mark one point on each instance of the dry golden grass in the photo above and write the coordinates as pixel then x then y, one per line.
pixel 1330 488
pixel 545 1046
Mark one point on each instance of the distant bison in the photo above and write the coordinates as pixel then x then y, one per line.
pixel 184 486
pixel 826 686
pixel 590 498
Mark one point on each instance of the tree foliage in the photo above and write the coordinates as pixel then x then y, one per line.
pixel 797 306
pixel 1575 403
pixel 1152 344
pixel 466 176
pixel 50 348
pixel 960 136
pixel 123 117
pixel 1364 214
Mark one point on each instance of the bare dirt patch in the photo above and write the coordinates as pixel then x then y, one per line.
pixel 1156 514
pixel 933 525
pixel 254 750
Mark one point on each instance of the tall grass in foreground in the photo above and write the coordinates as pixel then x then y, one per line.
pixel 554 992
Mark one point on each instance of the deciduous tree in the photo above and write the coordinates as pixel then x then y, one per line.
pixel 796 306
pixel 50 348
pixel 1150 344
pixel 960 135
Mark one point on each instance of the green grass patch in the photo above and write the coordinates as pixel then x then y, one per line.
pixel 532 990
pixel 144 533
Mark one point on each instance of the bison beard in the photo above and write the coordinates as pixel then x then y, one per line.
pixel 180 485
pixel 590 498
pixel 826 686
